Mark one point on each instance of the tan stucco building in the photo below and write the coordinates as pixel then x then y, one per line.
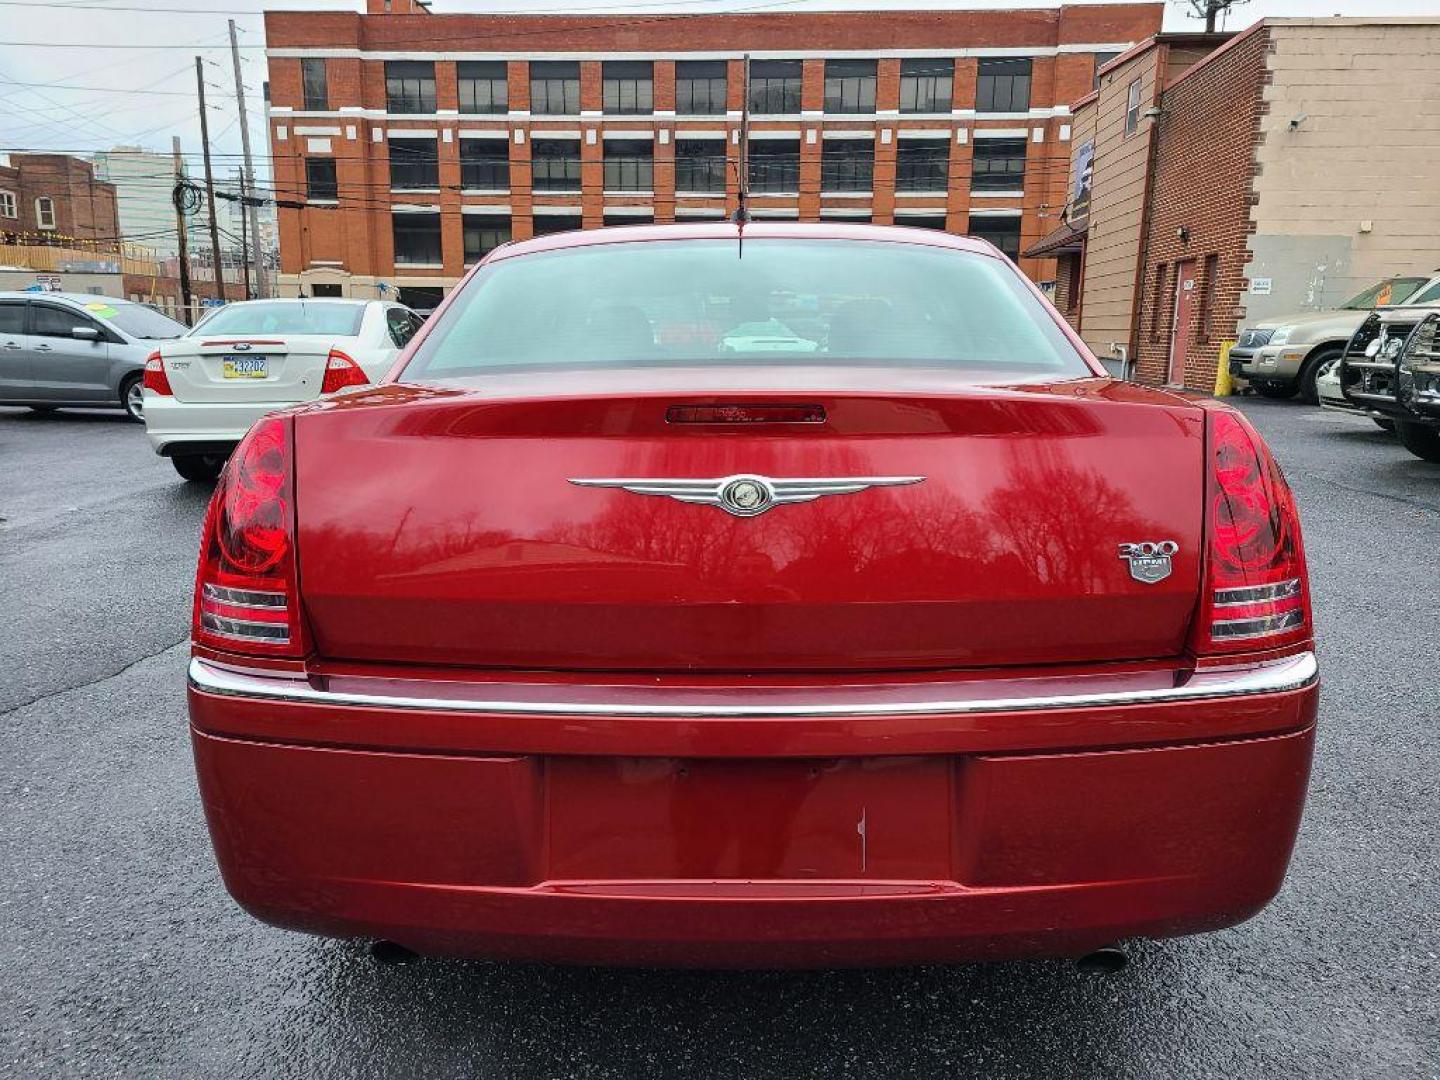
pixel 1235 177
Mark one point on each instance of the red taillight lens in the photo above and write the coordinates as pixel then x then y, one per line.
pixel 246 594
pixel 1256 594
pixel 155 378
pixel 340 371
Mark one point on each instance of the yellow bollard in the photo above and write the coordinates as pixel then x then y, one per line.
pixel 1224 385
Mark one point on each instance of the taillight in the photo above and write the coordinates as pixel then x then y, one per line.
pixel 246 593
pixel 1256 594
pixel 155 379
pixel 340 371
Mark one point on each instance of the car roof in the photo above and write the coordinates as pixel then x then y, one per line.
pixel 74 298
pixel 351 300
pixel 752 230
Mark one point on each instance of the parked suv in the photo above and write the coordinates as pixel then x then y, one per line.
pixel 1391 368
pixel 78 350
pixel 1285 354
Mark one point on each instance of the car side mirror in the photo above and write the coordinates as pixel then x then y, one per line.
pixel 85 333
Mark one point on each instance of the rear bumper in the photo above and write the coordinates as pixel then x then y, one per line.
pixel 173 426
pixel 742 841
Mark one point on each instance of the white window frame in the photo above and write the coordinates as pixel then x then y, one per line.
pixel 41 215
pixel 9 204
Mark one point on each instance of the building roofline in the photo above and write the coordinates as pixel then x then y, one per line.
pixel 1234 42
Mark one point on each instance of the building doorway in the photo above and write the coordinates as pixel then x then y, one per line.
pixel 1183 316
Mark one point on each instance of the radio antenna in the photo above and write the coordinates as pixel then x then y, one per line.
pixel 742 205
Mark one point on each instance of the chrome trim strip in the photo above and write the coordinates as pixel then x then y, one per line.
pixel 1291 673
pixel 246 598
pixel 245 629
pixel 1245 595
pixel 1257 626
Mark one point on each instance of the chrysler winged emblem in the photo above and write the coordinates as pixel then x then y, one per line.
pixel 1149 561
pixel 746 494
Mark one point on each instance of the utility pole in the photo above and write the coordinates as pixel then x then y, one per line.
pixel 180 224
pixel 209 184
pixel 247 178
pixel 245 246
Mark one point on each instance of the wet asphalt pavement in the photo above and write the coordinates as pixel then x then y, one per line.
pixel 121 955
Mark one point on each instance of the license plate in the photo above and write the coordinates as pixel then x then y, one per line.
pixel 245 367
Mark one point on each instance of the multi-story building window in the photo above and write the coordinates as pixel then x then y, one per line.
pixel 320 182
pixel 628 219
pixel 628 86
pixel 775 86
pixel 1132 107
pixel 700 165
pixel 414 164
pixel 998 165
pixel 774 165
pixel 847 165
pixel 555 164
pixel 409 86
pixel 545 224
pixel 926 86
pixel 484 86
pixel 316 94
pixel 417 239
pixel 1003 232
pixel 9 208
pixel 629 165
pixel 700 87
pixel 922 221
pixel 849 86
pixel 45 212
pixel 555 87
pixel 483 234
pixel 1003 86
pixel 1101 59
pixel 485 164
pixel 922 164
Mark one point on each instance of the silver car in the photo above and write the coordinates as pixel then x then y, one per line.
pixel 77 350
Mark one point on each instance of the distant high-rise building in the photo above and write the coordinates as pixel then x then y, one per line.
pixel 144 181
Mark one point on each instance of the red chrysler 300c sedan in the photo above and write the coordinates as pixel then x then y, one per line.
pixel 811 598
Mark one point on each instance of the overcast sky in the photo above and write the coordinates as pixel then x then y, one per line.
pixel 85 75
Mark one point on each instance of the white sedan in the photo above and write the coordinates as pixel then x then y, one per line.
pixel 204 390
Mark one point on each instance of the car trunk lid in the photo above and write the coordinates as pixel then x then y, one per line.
pixel 444 526
pixel 258 368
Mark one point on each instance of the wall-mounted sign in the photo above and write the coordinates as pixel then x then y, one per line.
pixel 1260 286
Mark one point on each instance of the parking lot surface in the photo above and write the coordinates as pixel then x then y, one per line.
pixel 122 955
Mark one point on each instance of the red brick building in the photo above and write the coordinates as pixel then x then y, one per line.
pixel 1197 223
pixel 421 140
pixel 55 199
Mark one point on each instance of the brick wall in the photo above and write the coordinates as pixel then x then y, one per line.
pixel 1201 196
pixel 356 239
pixel 85 208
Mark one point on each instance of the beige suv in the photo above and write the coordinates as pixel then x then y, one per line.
pixel 1284 354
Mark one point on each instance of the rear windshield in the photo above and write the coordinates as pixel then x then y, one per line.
pixel 780 301
pixel 284 317
pixel 137 320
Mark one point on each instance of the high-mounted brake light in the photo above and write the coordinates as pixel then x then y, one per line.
pixel 1256 593
pixel 340 371
pixel 745 414
pixel 155 379
pixel 246 593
